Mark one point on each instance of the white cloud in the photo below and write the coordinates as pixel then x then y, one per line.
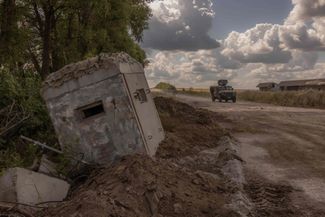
pixel 304 37
pixel 166 11
pixel 260 44
pixel 305 26
pixel 177 25
pixel 191 68
pixel 306 9
pixel 266 52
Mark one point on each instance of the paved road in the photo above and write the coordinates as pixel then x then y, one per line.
pixel 281 144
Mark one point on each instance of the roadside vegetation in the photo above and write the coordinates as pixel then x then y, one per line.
pixel 40 37
pixel 165 86
pixel 306 98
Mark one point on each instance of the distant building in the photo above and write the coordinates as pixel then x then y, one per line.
pixel 268 86
pixel 315 84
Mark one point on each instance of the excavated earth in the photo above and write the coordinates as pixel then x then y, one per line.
pixel 185 178
pixel 196 172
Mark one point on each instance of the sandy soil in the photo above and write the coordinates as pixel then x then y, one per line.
pixel 282 146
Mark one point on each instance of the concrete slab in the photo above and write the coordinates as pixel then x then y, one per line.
pixel 28 187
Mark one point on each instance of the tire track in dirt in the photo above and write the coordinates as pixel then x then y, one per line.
pixel 285 148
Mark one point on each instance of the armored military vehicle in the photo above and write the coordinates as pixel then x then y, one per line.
pixel 223 92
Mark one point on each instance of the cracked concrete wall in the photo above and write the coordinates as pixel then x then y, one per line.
pixel 105 136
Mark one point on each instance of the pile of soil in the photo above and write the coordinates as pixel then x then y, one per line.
pixel 188 130
pixel 174 184
pixel 139 186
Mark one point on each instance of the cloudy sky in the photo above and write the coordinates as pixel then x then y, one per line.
pixel 193 43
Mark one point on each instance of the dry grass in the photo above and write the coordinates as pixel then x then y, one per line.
pixel 306 98
pixel 194 92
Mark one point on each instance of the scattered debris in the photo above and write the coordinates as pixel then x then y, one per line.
pixel 19 185
pixel 44 146
pixel 47 167
pixel 41 144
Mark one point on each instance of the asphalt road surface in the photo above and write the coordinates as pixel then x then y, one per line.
pixel 282 145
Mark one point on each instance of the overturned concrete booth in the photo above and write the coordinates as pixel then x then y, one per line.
pixel 102 108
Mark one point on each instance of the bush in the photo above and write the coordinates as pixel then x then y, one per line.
pixel 21 103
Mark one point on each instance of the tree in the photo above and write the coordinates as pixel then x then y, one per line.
pixel 38 37
pixel 57 32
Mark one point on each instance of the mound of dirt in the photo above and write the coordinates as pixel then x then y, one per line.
pixel 188 130
pixel 140 186
pixel 175 184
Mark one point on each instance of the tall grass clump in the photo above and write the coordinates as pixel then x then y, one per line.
pixel 304 98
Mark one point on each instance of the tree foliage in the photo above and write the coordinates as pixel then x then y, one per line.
pixel 165 86
pixel 47 34
pixel 38 37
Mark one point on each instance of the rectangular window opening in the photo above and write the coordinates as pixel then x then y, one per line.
pixel 92 110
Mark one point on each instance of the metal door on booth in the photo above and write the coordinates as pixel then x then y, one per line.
pixel 145 109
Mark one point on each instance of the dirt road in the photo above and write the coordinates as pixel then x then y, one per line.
pixel 280 145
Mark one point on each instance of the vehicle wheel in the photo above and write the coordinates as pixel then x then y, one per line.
pixel 234 100
pixel 213 99
pixel 220 100
pixel 226 100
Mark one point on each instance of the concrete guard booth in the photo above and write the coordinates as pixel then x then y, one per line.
pixel 102 109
